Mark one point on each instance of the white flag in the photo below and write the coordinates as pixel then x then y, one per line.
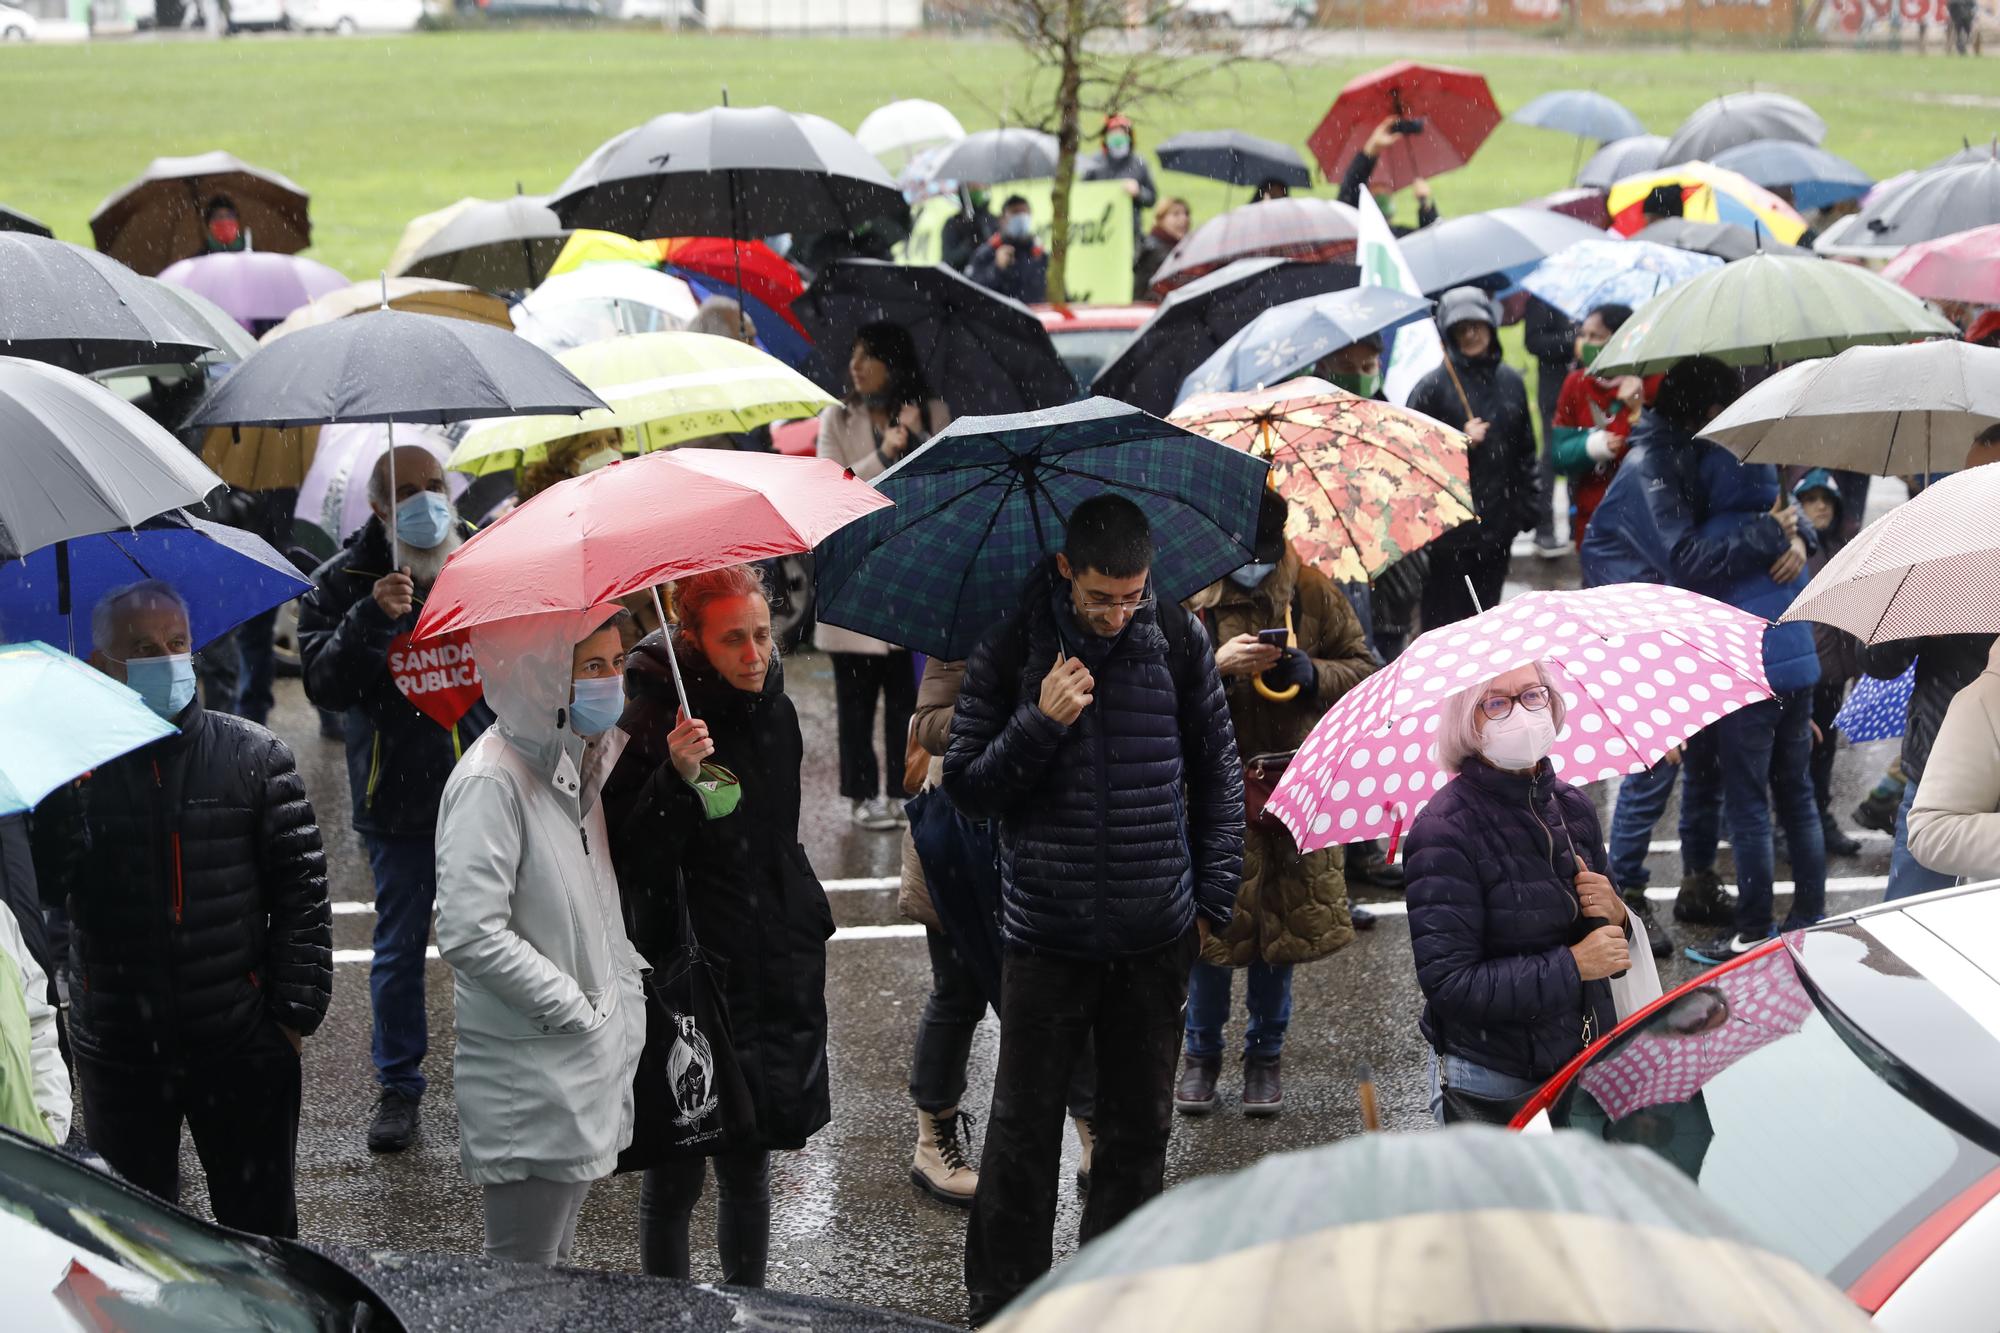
pixel 1416 351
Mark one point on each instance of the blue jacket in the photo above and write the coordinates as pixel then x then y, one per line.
pixel 1622 543
pixel 1493 912
pixel 1713 514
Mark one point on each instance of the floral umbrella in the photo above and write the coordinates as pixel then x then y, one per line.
pixel 1368 482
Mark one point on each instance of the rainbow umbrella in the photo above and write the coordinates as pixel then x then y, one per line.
pixel 1708 194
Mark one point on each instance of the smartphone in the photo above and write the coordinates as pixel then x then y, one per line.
pixel 1274 638
pixel 1408 125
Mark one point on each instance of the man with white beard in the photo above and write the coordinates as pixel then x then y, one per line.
pixel 410 712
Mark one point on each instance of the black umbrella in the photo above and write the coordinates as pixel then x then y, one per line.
pixel 1490 248
pixel 1725 240
pixel 80 310
pixel 496 245
pixel 1197 319
pixel 1235 158
pixel 999 155
pixel 1624 157
pixel 983 353
pixel 13 219
pixel 1937 203
pixel 1739 118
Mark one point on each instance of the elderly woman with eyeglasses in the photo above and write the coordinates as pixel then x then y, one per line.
pixel 1515 928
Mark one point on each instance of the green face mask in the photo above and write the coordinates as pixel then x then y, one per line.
pixel 1356 383
pixel 980 199
pixel 1118 144
pixel 1587 353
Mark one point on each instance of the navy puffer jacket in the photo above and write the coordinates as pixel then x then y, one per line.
pixel 1113 831
pixel 1493 911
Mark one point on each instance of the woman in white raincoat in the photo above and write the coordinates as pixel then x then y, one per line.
pixel 550 1012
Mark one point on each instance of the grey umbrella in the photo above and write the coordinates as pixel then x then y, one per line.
pixel 999 155
pixel 1739 118
pixel 13 219
pixel 1625 157
pixel 233 343
pixel 80 310
pixel 76 459
pixel 1725 240
pixel 1501 241
pixel 1891 411
pixel 1937 203
pixel 1972 152
pixel 496 245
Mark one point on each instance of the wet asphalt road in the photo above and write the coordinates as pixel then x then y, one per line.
pixel 846 1222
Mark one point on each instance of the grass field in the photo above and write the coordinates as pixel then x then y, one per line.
pixel 381 129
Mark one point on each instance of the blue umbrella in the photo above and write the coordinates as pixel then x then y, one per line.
pixel 774 334
pixel 1816 178
pixel 1593 273
pixel 225 575
pixel 1286 339
pixel 986 501
pixel 1875 709
pixel 61 719
pixel 1578 111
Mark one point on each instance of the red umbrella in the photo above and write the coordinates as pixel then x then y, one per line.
pixel 639 523
pixel 766 276
pixel 1456 106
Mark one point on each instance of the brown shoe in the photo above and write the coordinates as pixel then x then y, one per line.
pixel 1196 1093
pixel 940 1168
pixel 1261 1092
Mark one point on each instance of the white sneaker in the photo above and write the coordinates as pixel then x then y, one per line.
pixel 874 815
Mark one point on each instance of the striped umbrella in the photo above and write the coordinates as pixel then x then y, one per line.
pixel 1708 194
pixel 1469 1228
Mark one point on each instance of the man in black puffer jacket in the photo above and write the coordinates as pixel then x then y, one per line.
pixel 201 936
pixel 1092 726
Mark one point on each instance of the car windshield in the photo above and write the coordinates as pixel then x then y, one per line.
pixel 1085 351
pixel 84 1252
pixel 1786 1117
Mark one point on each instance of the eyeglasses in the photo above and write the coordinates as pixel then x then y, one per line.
pixel 1132 606
pixel 1496 706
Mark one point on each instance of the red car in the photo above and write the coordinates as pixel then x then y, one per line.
pixel 1087 336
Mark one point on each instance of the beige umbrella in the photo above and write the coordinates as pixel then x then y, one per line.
pixel 157 218
pixel 419 296
pixel 420 229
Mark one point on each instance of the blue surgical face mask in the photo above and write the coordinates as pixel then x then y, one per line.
pixel 424 520
pixel 598 704
pixel 165 683
pixel 1019 226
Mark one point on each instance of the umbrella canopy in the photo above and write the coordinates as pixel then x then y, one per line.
pixel 1196 320
pixel 79 459
pixel 233 343
pixel 765 275
pixel 1235 157
pixel 1456 106
pixel 1876 710
pixel 420 229
pixel 333 494
pixel 1491 248
pixel 83 312
pixel 1367 482
pixel 62 719
pixel 1582 112
pixel 1641 667
pixel 1936 204
pixel 1817 179
pixel 1316 230
pixel 1766 310
pixel 13 219
pixel 637 524
pixel 1845 238
pixel 1960 267
pixel 1470 1228
pixel 496 245
pixel 388 365
pixel 728 171
pixel 981 352
pixel 1621 158
pixel 680 386
pixel 1727 241
pixel 986 500
pixel 899 131
pixel 418 296
pixel 257 288
pixel 1708 194
pixel 1287 339
pixel 226 575
pixel 601 301
pixel 999 155
pixel 260 458
pixel 1735 119
pixel 157 219
pixel 1582 203
pixel 1972 152
pixel 1893 411
pixel 1593 273
pixel 1925 567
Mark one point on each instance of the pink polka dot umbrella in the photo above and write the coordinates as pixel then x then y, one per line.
pixel 1641 667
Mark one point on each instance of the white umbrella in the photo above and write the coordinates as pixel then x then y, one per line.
pixel 601 301
pixel 899 131
pixel 334 494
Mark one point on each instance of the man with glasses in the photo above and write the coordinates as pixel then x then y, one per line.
pixel 1092 727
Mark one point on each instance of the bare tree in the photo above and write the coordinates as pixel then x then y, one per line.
pixel 1095 57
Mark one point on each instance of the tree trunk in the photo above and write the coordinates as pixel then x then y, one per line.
pixel 1068 94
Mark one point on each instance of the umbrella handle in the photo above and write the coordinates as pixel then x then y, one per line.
pixel 673 658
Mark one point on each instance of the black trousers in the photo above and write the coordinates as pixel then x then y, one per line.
pixel 243 1112
pixel 1049 1007
pixel 1828 695
pixel 1446 601
pixel 944 1038
pixel 858 678
pixel 668 1194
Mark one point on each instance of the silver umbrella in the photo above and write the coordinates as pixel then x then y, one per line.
pixel 77 309
pixel 1735 119
pixel 1937 203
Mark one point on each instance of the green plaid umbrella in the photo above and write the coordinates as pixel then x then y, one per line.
pixel 987 499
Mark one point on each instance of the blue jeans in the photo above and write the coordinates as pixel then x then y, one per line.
pixel 253 683
pixel 1907 878
pixel 1642 799
pixel 405 889
pixel 1268 996
pixel 1469 1077
pixel 1765 752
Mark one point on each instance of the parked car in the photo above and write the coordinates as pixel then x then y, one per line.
pixel 542 9
pixel 18 25
pixel 1249 13
pixel 351 16
pixel 85 1250
pixel 255 15
pixel 1087 336
pixel 1838 1090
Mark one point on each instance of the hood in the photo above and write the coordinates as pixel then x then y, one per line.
pixel 1467 303
pixel 1656 432
pixel 525 664
pixel 1276 589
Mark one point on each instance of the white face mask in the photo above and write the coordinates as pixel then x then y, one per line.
pixel 1520 740
pixel 602 458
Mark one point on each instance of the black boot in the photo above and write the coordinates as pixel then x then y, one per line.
pixel 1878 812
pixel 1838 841
pixel 1656 929
pixel 395 1122
pixel 743 1239
pixel 1262 1092
pixel 1195 1094
pixel 1702 902
pixel 1365 864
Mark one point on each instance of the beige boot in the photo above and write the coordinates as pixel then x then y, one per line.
pixel 941 1169
pixel 1087 1140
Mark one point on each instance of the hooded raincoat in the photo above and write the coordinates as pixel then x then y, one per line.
pixel 551 1016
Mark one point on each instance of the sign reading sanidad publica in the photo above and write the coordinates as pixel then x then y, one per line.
pixel 1100 234
pixel 438 675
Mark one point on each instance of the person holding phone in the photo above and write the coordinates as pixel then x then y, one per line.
pixel 1362 168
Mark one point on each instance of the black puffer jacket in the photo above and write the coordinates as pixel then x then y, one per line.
pixel 752 895
pixel 196 892
pixel 397 758
pixel 1493 911
pixel 1946 664
pixel 1113 831
pixel 1504 486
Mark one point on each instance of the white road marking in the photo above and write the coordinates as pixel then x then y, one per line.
pixel 843 935
pixel 1782 889
pixel 1859 835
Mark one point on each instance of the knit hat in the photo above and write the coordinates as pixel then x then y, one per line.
pixel 1463 304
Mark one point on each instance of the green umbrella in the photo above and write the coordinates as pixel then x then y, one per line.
pixel 1767 310
pixel 1466 1228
